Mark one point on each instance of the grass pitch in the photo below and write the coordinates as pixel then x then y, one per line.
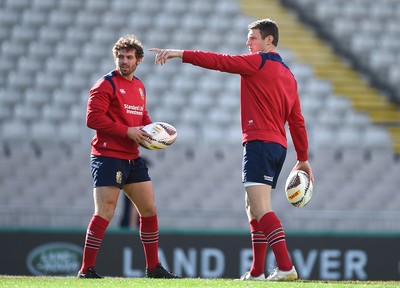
pixel 71 282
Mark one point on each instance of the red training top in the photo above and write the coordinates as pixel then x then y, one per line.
pixel 268 96
pixel 111 110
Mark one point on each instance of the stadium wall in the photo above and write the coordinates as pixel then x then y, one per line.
pixel 206 254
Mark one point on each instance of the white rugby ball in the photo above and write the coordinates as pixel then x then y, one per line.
pixel 162 135
pixel 298 188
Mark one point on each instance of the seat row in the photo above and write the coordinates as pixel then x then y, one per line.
pixel 349 26
pixel 212 177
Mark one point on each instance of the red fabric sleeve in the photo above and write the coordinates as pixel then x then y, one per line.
pixel 238 64
pixel 298 131
pixel 97 107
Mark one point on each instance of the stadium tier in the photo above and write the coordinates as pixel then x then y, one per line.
pixel 53 51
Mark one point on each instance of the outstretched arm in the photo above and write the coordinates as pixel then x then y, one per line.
pixel 247 64
pixel 164 54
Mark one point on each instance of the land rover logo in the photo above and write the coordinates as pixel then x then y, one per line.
pixel 57 258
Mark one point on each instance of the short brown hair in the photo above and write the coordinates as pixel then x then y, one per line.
pixel 129 42
pixel 266 27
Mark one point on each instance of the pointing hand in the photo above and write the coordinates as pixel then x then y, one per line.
pixel 164 54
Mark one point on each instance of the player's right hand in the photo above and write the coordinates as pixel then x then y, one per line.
pixel 164 54
pixel 138 135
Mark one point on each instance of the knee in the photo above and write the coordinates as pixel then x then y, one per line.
pixel 247 207
pixel 106 211
pixel 147 211
pixel 254 212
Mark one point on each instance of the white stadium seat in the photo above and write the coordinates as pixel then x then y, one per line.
pixel 14 130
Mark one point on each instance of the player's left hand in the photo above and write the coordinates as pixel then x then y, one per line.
pixel 306 167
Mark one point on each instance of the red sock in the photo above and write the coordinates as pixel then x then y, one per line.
pixel 259 245
pixel 149 237
pixel 272 228
pixel 94 236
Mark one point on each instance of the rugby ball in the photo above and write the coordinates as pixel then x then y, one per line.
pixel 162 135
pixel 298 188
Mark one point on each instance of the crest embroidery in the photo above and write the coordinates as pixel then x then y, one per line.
pixel 141 92
pixel 118 177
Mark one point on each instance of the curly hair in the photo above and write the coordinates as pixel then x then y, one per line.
pixel 129 42
pixel 266 27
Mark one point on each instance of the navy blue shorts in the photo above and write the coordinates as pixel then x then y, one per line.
pixel 108 171
pixel 262 162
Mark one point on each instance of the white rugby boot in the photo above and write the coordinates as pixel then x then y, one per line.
pixel 248 276
pixel 279 275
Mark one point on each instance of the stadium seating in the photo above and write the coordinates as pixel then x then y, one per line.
pixel 53 51
pixel 349 26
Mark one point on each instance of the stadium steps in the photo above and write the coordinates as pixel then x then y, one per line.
pixel 395 133
pixel 308 48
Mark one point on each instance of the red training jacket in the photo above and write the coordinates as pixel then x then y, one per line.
pixel 268 96
pixel 111 111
